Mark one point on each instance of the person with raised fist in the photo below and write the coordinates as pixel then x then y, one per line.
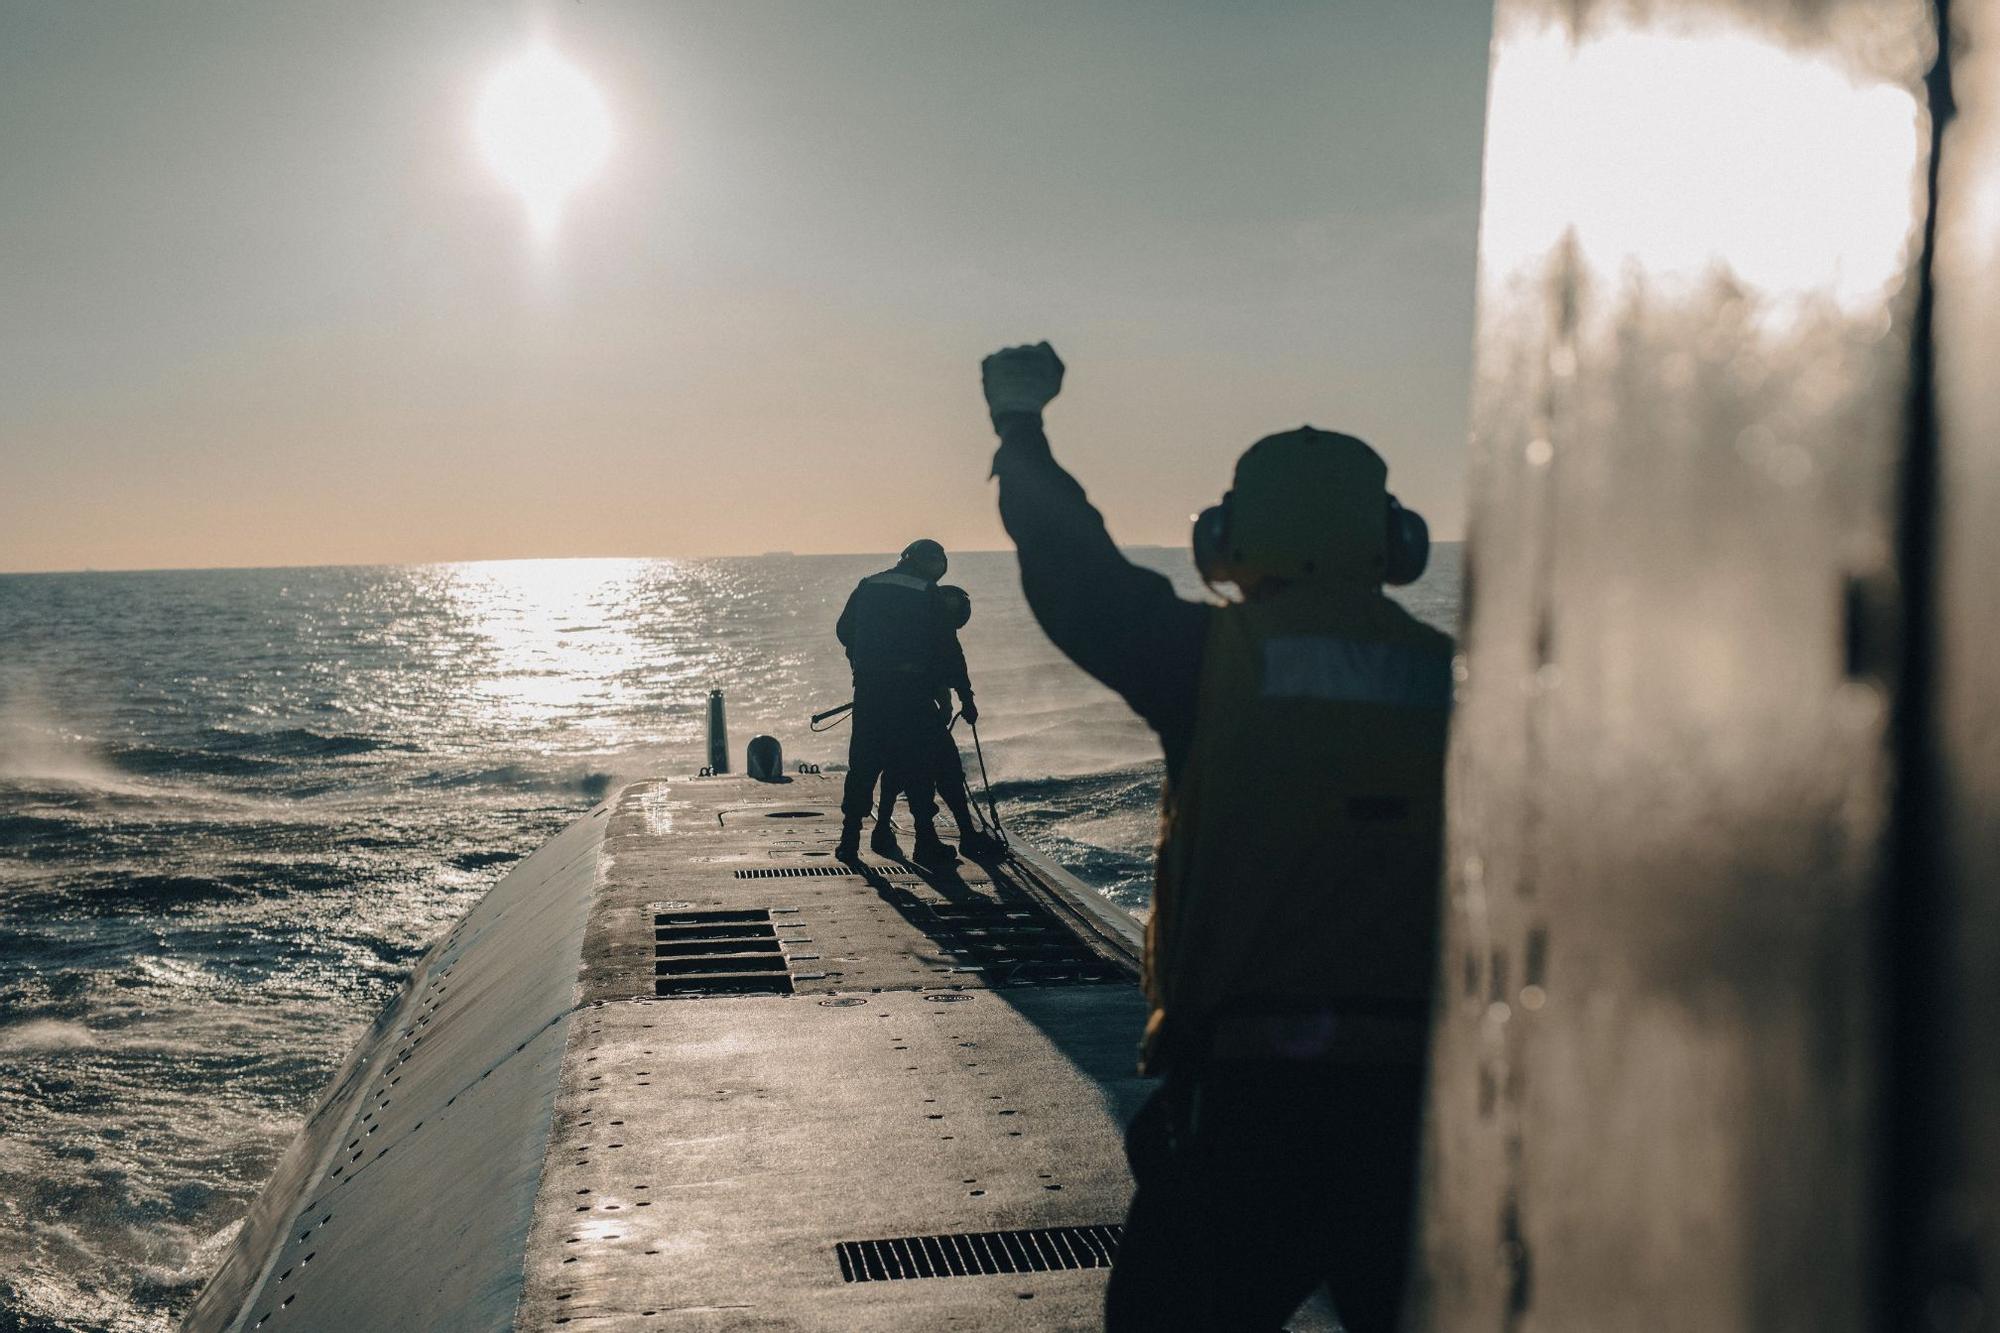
pixel 1291 948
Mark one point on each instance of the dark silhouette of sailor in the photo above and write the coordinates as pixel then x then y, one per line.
pixel 948 768
pixel 1291 947
pixel 903 647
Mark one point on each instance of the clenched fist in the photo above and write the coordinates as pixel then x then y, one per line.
pixel 1021 379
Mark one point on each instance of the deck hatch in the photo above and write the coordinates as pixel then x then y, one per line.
pixel 718 953
pixel 978 1253
pixel 792 872
pixel 1013 943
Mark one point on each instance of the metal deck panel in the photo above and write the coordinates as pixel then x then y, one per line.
pixel 958 1057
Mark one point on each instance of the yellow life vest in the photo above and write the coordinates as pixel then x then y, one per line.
pixel 1300 846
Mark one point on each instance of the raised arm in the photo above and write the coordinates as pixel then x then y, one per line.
pixel 1119 622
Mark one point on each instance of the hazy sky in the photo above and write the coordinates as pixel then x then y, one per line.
pixel 262 301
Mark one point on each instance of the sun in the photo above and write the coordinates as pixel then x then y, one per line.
pixel 543 127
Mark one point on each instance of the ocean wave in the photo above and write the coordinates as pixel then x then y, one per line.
pixel 109 890
pixel 165 892
pixel 159 1245
pixel 45 1034
pixel 19 831
pixel 1126 878
pixel 162 761
pixel 483 860
pixel 1114 788
pixel 296 743
pixel 1099 826
pixel 515 778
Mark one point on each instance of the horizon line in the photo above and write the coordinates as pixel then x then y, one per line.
pixel 525 559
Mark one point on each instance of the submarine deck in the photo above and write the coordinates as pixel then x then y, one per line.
pixel 682 1069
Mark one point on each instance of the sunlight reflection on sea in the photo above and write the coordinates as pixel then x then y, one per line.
pixel 235 805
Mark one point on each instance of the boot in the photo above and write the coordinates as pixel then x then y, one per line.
pixel 883 842
pixel 849 847
pixel 931 852
pixel 981 846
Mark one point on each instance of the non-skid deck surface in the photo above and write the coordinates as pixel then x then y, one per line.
pixel 681 1069
pixel 770 1064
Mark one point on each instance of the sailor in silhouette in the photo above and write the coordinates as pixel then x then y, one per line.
pixel 1291 947
pixel 903 646
pixel 948 768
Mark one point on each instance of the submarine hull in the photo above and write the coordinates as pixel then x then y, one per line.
pixel 683 1068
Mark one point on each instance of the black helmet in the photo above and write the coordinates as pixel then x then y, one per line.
pixel 957 604
pixel 926 557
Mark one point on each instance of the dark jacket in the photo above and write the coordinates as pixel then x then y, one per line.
pixel 1300 842
pixel 896 626
pixel 1123 624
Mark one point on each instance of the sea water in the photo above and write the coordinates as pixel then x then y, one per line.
pixel 235 806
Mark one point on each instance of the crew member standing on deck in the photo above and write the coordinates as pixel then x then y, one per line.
pixel 901 644
pixel 1291 947
pixel 948 769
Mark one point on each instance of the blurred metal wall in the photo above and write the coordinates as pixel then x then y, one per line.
pixel 1953 1264
pixel 1720 1041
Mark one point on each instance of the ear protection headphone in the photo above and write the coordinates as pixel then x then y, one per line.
pixel 957 604
pixel 1409 548
pixel 1211 541
pixel 1407 552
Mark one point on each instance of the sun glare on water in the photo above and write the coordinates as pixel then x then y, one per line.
pixel 543 127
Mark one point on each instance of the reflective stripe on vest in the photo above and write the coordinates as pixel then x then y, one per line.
pixel 1300 856
pixel 1339 670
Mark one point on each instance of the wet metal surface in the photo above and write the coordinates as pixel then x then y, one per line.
pixel 1654 1087
pixel 1957 1271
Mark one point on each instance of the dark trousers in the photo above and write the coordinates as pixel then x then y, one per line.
pixel 895 726
pixel 947 779
pixel 1258 1181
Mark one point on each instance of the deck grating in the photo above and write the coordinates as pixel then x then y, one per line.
pixel 978 1253
pixel 793 872
pixel 718 953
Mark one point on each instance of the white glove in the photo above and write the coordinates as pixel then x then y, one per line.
pixel 1021 379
